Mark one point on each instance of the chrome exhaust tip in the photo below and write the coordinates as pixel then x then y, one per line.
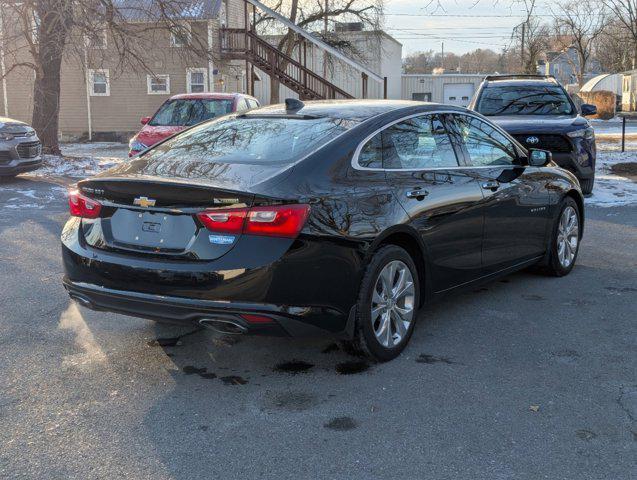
pixel 223 326
pixel 82 300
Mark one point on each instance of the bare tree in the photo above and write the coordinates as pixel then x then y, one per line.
pixel 625 13
pixel 314 15
pixel 419 62
pixel 615 48
pixel 579 23
pixel 43 33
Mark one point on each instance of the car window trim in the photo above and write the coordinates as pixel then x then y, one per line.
pixel 356 166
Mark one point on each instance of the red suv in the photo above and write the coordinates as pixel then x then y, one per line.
pixel 183 111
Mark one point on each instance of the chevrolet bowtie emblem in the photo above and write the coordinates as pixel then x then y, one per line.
pixel 144 202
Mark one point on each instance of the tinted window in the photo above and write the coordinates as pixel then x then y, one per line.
pixel 371 155
pixel 418 143
pixel 524 100
pixel 250 140
pixel 485 145
pixel 189 112
pixel 242 105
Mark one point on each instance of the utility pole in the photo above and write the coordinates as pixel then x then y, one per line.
pixel 325 27
pixel 442 58
pixel 522 46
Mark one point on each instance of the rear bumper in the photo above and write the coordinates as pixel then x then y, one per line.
pixel 308 289
pixel 284 321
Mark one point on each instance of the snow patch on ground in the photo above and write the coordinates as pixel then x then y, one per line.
pixel 80 160
pixel 612 190
pixel 23 198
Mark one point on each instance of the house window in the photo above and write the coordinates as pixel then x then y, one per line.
pixel 180 35
pixel 96 39
pixel 197 80
pixel 421 96
pixel 99 83
pixel 158 84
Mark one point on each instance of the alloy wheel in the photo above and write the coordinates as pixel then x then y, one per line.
pixel 392 309
pixel 567 236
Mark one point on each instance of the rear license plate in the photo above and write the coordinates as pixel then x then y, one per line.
pixel 154 230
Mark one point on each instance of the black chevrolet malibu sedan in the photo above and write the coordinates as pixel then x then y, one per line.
pixel 337 218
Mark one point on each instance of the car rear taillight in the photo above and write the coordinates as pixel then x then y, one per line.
pixel 272 221
pixel 83 207
pixel 225 221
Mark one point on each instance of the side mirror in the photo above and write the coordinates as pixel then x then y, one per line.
pixel 144 120
pixel 588 109
pixel 539 158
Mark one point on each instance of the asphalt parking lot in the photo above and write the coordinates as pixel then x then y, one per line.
pixel 526 378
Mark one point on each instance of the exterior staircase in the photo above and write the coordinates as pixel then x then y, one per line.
pixel 241 44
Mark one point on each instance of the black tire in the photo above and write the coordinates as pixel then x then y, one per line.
pixel 554 267
pixel 586 184
pixel 365 341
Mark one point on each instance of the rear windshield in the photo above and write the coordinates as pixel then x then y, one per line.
pixel 250 139
pixel 524 100
pixel 183 113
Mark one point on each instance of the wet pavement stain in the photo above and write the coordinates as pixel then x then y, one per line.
pixel 293 367
pixel 233 380
pixel 171 341
pixel 350 368
pixel 165 342
pixel 533 297
pixel 341 424
pixel 586 434
pixel 190 370
pixel 424 358
pixel 289 401
pixel 202 372
pixel 620 290
pixel 566 353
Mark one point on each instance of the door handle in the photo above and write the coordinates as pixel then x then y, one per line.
pixel 417 193
pixel 492 185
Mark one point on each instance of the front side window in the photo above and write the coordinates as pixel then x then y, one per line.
pixel 158 84
pixel 418 143
pixel 484 144
pixel 524 100
pixel 250 140
pixel 187 112
pixel 99 83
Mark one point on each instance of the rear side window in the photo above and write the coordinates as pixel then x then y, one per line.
pixel 371 155
pixel 483 143
pixel 250 139
pixel 418 143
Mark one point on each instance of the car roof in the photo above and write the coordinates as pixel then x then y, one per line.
pixel 522 82
pixel 209 96
pixel 357 110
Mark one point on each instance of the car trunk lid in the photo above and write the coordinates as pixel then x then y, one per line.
pixel 158 216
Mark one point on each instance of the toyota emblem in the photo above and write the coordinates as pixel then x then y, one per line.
pixel 532 140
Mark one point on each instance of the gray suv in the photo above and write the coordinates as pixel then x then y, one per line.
pixel 20 148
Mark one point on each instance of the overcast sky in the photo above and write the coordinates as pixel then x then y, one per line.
pixel 463 25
